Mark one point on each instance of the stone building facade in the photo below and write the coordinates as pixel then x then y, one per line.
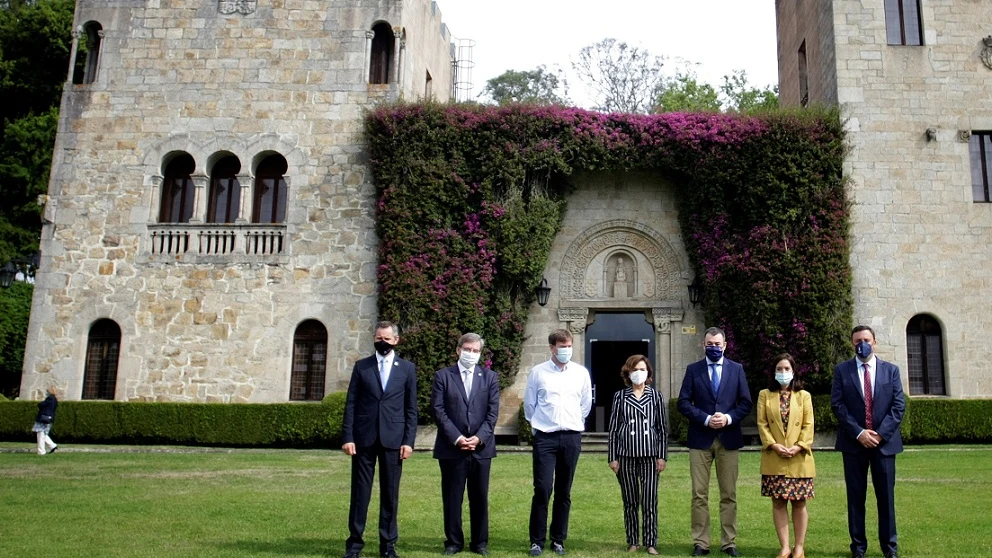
pixel 911 78
pixel 208 233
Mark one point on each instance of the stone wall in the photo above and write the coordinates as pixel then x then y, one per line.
pixel 288 78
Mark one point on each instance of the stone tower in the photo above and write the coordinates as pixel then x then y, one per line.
pixel 208 233
pixel 911 78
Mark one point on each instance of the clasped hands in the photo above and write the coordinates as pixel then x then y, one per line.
pixel 870 438
pixel 718 420
pixel 467 444
pixel 659 465
pixel 786 452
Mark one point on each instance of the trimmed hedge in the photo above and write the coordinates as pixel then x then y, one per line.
pixel 195 424
pixel 927 421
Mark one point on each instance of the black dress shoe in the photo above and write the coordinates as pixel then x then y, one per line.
pixel 889 555
pixel 731 551
pixel 481 550
pixel 699 551
pixel 857 555
pixel 391 553
pixel 352 555
pixel 451 550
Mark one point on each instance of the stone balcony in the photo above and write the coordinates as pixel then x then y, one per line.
pixel 216 243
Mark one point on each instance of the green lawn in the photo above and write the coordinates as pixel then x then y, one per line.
pixel 295 503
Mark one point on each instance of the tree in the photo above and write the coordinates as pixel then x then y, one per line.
pixel 741 96
pixel 622 78
pixel 683 93
pixel 539 86
pixel 35 40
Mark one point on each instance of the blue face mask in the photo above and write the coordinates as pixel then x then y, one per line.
pixel 563 354
pixel 863 350
pixel 713 353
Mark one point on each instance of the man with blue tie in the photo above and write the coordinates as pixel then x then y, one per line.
pixel 465 403
pixel 715 399
pixel 380 424
pixel 868 401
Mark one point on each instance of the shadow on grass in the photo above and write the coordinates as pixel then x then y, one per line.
pixel 319 546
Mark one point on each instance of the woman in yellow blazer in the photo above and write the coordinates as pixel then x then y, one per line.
pixel 785 424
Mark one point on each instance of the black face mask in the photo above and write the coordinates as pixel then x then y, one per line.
pixel 383 347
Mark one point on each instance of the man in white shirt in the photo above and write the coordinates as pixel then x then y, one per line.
pixel 557 400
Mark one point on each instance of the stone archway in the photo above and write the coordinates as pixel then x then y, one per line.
pixel 623 265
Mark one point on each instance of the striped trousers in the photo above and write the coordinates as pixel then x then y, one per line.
pixel 639 488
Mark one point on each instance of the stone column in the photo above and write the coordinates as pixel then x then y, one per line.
pixel 663 318
pixel 200 194
pixel 76 33
pixel 247 198
pixel 369 35
pixel 575 323
pixel 397 50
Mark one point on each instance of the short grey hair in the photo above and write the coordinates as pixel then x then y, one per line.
pixel 471 338
pixel 385 324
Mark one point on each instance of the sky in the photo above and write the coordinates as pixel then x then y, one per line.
pixel 719 36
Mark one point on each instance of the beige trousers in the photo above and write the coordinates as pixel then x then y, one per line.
pixel 700 462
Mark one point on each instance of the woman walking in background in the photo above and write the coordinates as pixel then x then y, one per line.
pixel 43 421
pixel 785 424
pixel 638 449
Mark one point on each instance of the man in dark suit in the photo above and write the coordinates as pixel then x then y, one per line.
pixel 868 401
pixel 715 399
pixel 465 402
pixel 380 423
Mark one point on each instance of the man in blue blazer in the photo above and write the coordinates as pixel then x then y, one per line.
pixel 868 401
pixel 380 424
pixel 465 402
pixel 715 399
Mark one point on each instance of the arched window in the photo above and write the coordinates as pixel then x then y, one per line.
pixel 225 191
pixel 178 190
pixel 309 362
pixel 102 351
pixel 382 53
pixel 925 355
pixel 270 190
pixel 88 53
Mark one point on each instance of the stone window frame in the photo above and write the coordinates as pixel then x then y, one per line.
pixel 171 173
pixel 224 171
pixel 102 361
pixel 84 70
pixel 980 163
pixel 270 166
pixel 382 45
pixel 925 356
pixel 308 371
pixel 896 19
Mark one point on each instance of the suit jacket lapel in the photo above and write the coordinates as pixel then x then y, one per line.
pixel 476 381
pixel 373 371
pixel 772 409
pixel 456 379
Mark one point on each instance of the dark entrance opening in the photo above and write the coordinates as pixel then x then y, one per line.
pixel 611 340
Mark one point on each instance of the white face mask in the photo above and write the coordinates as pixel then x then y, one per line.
pixel 469 359
pixel 783 378
pixel 638 377
pixel 563 354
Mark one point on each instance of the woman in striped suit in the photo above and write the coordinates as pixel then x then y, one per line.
pixel 638 449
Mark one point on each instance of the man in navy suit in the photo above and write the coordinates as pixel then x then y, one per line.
pixel 715 399
pixel 869 404
pixel 380 424
pixel 465 402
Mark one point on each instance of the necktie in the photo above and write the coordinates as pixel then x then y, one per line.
pixel 467 378
pixel 869 406
pixel 382 373
pixel 715 378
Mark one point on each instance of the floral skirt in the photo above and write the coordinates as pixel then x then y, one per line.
pixel 41 427
pixel 785 488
